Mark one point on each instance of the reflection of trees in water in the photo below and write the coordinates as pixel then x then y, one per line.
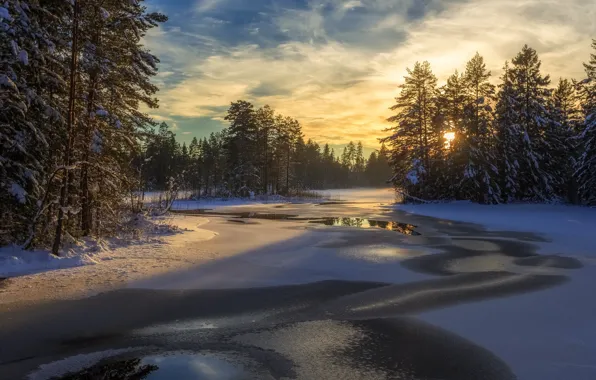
pixel 115 370
pixel 404 228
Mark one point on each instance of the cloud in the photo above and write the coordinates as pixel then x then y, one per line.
pixel 335 65
pixel 206 5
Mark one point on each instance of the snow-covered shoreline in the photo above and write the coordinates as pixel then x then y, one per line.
pixel 16 261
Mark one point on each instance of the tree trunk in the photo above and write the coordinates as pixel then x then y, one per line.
pixel 288 171
pixel 86 215
pixel 70 131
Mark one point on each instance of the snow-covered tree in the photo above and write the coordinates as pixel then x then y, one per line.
pixel 586 165
pixel 31 114
pixel 241 145
pixel 523 122
pixel 479 171
pixel 561 153
pixel 414 141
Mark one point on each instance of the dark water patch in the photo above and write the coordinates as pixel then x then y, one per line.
pixel 333 203
pixel 404 228
pixel 168 365
pixel 85 340
pixel 397 348
pixel 405 348
pixel 439 263
pixel 550 261
pixel 428 295
pixel 241 221
pixel 242 215
pixel 463 229
pixel 125 369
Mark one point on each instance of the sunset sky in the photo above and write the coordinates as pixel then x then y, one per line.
pixel 335 64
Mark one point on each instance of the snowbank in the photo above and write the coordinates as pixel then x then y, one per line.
pixel 570 229
pixel 15 261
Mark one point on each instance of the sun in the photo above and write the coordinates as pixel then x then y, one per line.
pixel 449 136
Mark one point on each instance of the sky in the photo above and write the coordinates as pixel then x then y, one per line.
pixel 335 65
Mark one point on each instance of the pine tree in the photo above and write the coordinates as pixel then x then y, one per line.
pixel 524 121
pixel 30 113
pixel 241 145
pixel 477 142
pixel 265 119
pixel 414 141
pixel 562 151
pixel 586 164
pixel 507 132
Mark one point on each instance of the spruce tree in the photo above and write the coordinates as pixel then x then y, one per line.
pixel 477 146
pixel 524 120
pixel 562 150
pixel 586 165
pixel 413 141
pixel 241 146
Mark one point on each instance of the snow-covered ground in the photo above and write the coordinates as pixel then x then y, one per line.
pixel 15 261
pixel 367 195
pixel 372 195
pixel 569 229
pixel 173 243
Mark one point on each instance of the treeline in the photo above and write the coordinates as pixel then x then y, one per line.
pixel 519 141
pixel 260 152
pixel 73 75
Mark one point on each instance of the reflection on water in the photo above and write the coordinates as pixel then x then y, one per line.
pixel 404 228
pixel 189 366
pixel 173 365
pixel 114 370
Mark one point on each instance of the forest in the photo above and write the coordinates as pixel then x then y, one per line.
pixel 74 78
pixel 521 140
pixel 260 153
pixel 79 147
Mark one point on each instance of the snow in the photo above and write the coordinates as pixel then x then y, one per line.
pixel 16 261
pixel 105 14
pixel 273 253
pixel 18 192
pixel 101 112
pixel 24 57
pixel 217 202
pixel 4 14
pixel 370 195
pixel 97 142
pixel 412 177
pixel 545 335
pixel 7 82
pixel 569 229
